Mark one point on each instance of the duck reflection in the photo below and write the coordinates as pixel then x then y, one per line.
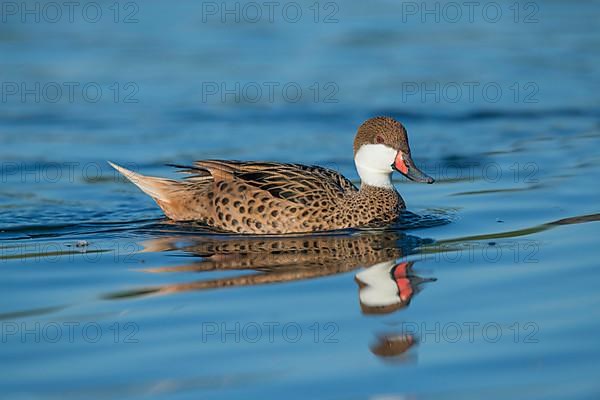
pixel 384 285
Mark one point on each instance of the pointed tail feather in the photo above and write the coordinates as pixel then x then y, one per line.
pixel 160 189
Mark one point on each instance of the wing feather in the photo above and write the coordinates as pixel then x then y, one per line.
pixel 298 183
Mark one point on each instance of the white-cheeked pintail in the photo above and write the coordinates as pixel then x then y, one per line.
pixel 277 198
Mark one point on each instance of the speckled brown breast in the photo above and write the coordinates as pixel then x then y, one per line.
pixel 275 198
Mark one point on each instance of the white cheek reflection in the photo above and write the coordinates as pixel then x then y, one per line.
pixel 380 290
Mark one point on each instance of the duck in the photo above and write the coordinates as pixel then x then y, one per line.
pixel 259 197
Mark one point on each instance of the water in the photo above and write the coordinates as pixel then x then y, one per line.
pixel 489 289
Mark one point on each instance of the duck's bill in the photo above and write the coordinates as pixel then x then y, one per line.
pixel 405 165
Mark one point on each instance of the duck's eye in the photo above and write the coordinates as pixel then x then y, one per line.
pixel 379 139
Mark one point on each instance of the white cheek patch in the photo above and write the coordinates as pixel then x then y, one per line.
pixel 377 157
pixel 374 164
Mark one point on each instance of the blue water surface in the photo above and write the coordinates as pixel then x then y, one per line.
pixel 102 297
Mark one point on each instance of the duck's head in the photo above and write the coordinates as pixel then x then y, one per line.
pixel 380 147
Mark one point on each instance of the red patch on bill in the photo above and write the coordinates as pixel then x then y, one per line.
pixel 399 163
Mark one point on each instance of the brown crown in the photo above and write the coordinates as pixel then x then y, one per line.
pixel 385 130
